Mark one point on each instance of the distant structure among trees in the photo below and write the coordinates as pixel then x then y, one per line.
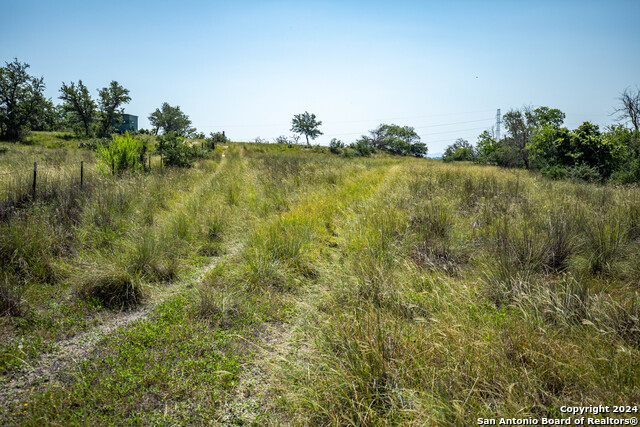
pixel 127 123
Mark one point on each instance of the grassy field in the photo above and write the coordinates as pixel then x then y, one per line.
pixel 271 285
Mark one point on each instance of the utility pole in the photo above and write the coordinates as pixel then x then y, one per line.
pixel 498 121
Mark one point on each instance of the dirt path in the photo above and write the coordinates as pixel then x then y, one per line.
pixel 55 367
pixel 276 345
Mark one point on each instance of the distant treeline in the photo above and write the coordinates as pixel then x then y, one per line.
pixel 24 108
pixel 535 139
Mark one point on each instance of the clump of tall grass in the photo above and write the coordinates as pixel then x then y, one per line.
pixel 434 248
pixel 285 242
pixel 562 240
pixel 566 301
pixel 516 255
pixel 605 237
pixel 218 302
pixel 215 223
pixel 11 303
pixel 145 255
pixel 27 248
pixel 364 382
pixel 109 283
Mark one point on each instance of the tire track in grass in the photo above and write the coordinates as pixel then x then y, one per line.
pixel 277 344
pixel 51 367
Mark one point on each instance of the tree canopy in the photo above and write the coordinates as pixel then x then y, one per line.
pixel 307 125
pixel 111 100
pixel 171 119
pixel 400 140
pixel 21 99
pixel 460 150
pixel 79 105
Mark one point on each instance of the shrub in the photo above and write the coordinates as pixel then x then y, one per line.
pixel 281 140
pixel 216 138
pixel 336 146
pixel 555 172
pixel 175 150
pixel 584 172
pixel 362 148
pixel 123 153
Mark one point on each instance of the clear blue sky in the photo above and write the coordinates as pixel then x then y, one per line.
pixel 247 67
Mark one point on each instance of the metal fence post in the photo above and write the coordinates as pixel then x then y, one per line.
pixel 35 173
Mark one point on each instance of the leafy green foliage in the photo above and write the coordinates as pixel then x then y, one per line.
pixel 216 139
pixel 21 100
pixel 400 140
pixel 307 125
pixel 362 148
pixel 585 150
pixel 336 146
pixel 171 119
pixel 459 151
pixel 486 147
pixel 79 105
pixel 111 100
pixel 123 153
pixel 521 126
pixel 176 151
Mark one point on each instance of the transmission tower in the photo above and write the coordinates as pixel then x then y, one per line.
pixel 498 121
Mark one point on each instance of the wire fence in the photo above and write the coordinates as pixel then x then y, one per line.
pixel 21 184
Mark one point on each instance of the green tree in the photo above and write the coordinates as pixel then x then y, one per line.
pixel 21 99
pixel 171 119
pixel 459 151
pixel 400 140
pixel 46 117
pixel 307 125
pixel 336 146
pixel 110 101
pixel 583 148
pixel 551 146
pixel 486 147
pixel 78 104
pixel 521 126
pixel 216 138
pixel 628 169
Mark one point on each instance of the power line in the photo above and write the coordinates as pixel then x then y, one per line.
pixel 423 127
pixel 358 121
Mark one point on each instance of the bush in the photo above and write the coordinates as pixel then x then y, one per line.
pixel 215 139
pixel 175 150
pixel 584 172
pixel 336 146
pixel 363 148
pixel 123 153
pixel 554 172
pixel 281 140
